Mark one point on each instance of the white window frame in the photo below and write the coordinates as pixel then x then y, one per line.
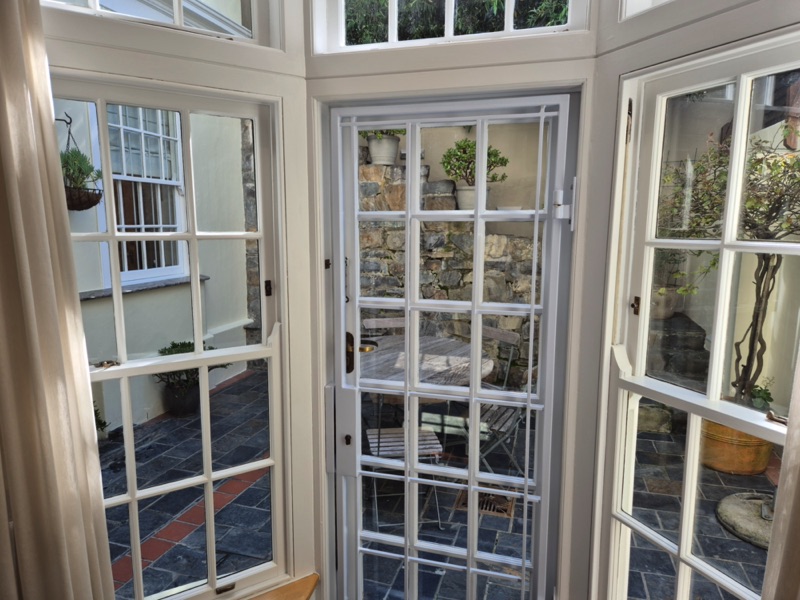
pixel 637 169
pixel 273 349
pixel 331 36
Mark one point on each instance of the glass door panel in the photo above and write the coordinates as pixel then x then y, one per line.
pixel 443 331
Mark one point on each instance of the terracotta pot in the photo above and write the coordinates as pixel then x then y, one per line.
pixel 731 451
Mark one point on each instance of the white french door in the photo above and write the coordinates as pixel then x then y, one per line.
pixel 448 348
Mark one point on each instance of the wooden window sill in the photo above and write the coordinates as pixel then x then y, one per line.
pixel 302 589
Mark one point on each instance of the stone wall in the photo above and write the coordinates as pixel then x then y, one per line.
pixel 446 266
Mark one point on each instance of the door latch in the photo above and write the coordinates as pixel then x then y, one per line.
pixel 636 304
pixel 349 352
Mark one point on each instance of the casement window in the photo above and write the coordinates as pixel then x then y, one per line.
pixel 186 372
pixel 706 323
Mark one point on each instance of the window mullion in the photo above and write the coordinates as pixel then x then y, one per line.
pixel 691 474
pixel 509 15
pixel 191 227
pixel 393 10
pixel 177 11
pixel 449 18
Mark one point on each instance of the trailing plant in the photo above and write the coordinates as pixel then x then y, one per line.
pixel 78 169
pixel 479 16
pixel 379 133
pixel 366 21
pixel 459 162
pixel 540 13
pixel 420 19
pixel 185 378
pixel 100 424
pixel 693 208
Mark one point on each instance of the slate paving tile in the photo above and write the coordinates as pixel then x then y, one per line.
pixel 660 587
pixel 381 569
pixel 755 574
pixel 653 458
pixel 157 580
pixel 708 526
pixel 671 448
pixel 718 492
pixel 645 446
pixel 661 437
pixel 646 516
pixel 661 502
pixel 495 522
pixel 453 586
pixel 709 476
pixel 428 583
pixel 670 521
pixel 650 561
pixel 183 560
pixel 751 482
pixel 736 550
pixel 118 550
pixel 655 471
pixel 703 589
pixel 730 568
pixel 663 486
pixel 167 477
pixel 246 542
pixel 636 588
pixel 176 502
pixel 374 591
pixel 151 521
pixel 240 455
pixel 256 497
pixel 246 517
pixel 186 449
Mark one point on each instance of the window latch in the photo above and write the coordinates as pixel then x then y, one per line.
pixel 268 287
pixel 636 305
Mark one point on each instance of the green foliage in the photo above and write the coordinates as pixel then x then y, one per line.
pixel 78 170
pixel 99 423
pixel 420 19
pixel 366 21
pixel 692 207
pixel 760 396
pixel 459 162
pixel 379 133
pixel 479 16
pixel 529 14
pixel 185 378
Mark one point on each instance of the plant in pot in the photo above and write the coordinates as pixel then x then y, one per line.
pixel 181 392
pixel 383 145
pixel 459 164
pixel 79 173
pixel 770 212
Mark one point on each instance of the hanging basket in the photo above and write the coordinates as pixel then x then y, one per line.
pixel 82 198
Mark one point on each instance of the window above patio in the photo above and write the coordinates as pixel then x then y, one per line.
pixel 363 24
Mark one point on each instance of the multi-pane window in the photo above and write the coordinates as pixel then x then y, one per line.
pixel 228 17
pixel 381 21
pixel 146 166
pixel 712 336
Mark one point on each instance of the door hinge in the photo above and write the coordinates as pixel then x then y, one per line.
pixel 268 287
pixel 561 210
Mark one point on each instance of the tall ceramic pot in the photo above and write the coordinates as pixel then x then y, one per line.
pixel 383 150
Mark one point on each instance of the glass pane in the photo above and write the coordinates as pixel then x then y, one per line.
pixel 115 143
pixel 150 120
pixel 764 312
pixel 694 175
pixel 223 155
pixel 152 150
pixel 383 575
pixel 97 308
pixel 439 182
pixel 448 420
pixel 508 263
pixel 654 477
pixel 153 10
pixel 107 402
pixel 231 292
pixel 479 16
pixel 381 182
pixel 166 426
pixel 703 588
pixel 169 563
pixel 420 20
pixel 500 528
pixel 771 194
pixel 444 350
pixel 382 256
pixel 506 340
pixel 243 523
pixel 540 13
pixel 441 519
pixel 382 416
pixel 156 315
pixel 736 494
pixel 239 414
pixel 232 18
pixel 502 587
pixel 384 502
pixel 446 260
pixel 366 21
pixel 133 154
pixel 502 440
pixel 652 572
pixel 382 344
pixel 171 162
pixel 130 115
pixel 436 582
pixel 119 544
pixel 518 165
pixel 681 317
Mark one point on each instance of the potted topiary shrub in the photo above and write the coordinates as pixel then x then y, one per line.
pixel 383 145
pixel 181 393
pixel 770 212
pixel 79 173
pixel 459 164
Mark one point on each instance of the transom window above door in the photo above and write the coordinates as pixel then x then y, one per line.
pixel 404 22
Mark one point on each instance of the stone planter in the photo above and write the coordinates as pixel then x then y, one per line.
pixel 181 400
pixel 383 151
pixel 663 302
